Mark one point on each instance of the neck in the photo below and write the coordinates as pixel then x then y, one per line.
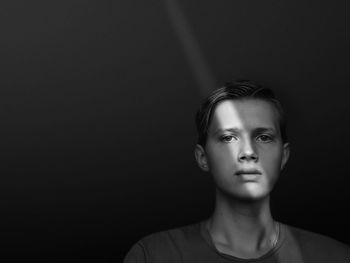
pixel 242 228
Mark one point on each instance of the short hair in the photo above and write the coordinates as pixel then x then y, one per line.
pixel 236 90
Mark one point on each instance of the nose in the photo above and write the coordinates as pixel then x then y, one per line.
pixel 247 153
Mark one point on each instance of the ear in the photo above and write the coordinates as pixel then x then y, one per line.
pixel 201 158
pixel 285 155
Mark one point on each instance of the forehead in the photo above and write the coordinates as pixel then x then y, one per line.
pixel 244 114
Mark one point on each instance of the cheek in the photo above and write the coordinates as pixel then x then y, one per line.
pixel 222 159
pixel 271 160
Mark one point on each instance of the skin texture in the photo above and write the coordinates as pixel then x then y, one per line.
pixel 243 135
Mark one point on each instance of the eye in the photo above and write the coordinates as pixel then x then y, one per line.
pixel 228 138
pixel 264 138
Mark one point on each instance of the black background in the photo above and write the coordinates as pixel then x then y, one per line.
pixel 97 118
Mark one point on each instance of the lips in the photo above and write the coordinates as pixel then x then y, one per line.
pixel 247 171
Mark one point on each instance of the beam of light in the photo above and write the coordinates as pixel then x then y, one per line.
pixel 195 58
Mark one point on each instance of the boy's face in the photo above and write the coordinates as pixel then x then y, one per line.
pixel 244 151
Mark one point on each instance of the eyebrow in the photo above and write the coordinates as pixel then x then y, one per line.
pixel 237 130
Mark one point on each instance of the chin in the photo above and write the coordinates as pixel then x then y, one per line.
pixel 247 195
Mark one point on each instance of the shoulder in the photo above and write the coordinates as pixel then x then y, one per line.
pixel 171 239
pixel 312 238
pixel 317 244
pixel 165 246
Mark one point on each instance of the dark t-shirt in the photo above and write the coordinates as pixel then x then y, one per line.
pixel 193 244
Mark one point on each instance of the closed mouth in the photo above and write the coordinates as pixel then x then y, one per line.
pixel 251 171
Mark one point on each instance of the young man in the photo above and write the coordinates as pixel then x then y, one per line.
pixel 242 142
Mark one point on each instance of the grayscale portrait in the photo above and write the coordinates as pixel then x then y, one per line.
pixel 174 131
